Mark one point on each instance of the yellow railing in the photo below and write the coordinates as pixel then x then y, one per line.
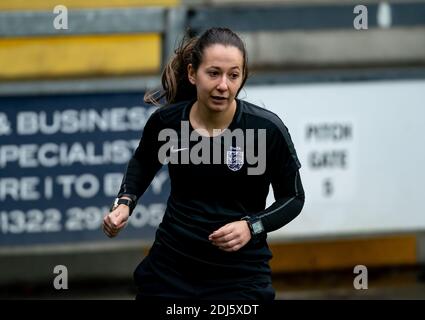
pixel 81 4
pixel 344 253
pixel 64 56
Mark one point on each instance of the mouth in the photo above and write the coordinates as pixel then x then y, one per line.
pixel 218 98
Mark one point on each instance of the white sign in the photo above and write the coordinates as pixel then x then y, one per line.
pixel 362 150
pixel 328 149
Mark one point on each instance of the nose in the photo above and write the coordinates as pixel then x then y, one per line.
pixel 222 85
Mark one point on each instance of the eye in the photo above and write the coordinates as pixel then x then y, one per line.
pixel 234 75
pixel 213 73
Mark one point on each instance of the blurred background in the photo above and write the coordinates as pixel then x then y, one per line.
pixel 347 78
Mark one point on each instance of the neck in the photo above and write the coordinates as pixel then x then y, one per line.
pixel 203 118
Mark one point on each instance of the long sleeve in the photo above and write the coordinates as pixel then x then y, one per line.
pixel 289 201
pixel 144 163
pixel 285 180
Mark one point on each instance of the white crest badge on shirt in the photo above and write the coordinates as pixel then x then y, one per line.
pixel 235 158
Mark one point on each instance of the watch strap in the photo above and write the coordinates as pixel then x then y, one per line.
pixel 255 225
pixel 128 202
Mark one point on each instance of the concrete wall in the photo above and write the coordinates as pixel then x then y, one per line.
pixel 334 48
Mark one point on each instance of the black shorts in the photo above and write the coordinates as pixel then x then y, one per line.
pixel 152 285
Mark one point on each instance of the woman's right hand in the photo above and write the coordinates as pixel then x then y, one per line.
pixel 116 220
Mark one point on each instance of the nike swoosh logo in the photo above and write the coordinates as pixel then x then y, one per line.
pixel 177 150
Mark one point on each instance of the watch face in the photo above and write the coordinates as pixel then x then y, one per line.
pixel 257 227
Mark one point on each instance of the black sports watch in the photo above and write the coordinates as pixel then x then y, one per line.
pixel 255 225
pixel 128 202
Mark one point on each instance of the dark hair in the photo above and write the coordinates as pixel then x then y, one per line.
pixel 175 83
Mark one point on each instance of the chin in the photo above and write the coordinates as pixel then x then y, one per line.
pixel 218 107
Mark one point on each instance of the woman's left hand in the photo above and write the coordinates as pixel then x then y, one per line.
pixel 232 236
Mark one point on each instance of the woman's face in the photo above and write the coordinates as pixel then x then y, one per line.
pixel 218 77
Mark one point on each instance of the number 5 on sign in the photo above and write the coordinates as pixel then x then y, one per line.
pixel 328 187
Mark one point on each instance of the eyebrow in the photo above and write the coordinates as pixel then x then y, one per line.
pixel 215 67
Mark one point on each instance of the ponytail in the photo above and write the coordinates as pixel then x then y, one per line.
pixel 175 81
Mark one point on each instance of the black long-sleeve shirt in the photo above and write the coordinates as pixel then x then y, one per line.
pixel 206 196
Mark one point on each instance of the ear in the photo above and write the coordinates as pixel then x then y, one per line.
pixel 191 74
